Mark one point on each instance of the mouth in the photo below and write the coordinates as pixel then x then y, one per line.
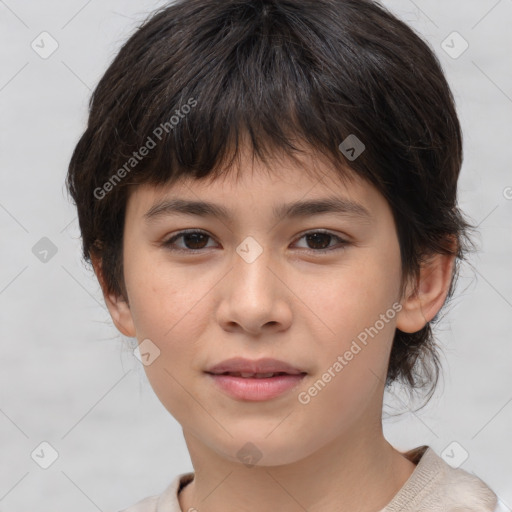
pixel 256 387
pixel 248 368
pixel 255 380
pixel 249 375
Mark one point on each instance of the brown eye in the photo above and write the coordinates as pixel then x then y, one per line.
pixel 192 240
pixel 320 242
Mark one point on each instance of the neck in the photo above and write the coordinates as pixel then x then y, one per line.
pixel 362 475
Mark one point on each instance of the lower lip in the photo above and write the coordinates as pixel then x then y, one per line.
pixel 256 389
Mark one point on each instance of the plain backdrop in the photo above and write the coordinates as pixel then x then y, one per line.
pixel 68 378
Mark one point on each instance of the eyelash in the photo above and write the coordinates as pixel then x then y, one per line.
pixel 170 242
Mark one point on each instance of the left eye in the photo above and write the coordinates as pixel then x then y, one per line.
pixel 320 238
pixel 195 241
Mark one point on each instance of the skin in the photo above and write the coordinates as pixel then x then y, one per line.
pixel 302 307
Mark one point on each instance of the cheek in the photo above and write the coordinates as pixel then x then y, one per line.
pixel 352 360
pixel 165 301
pixel 351 296
pixel 167 309
pixel 357 308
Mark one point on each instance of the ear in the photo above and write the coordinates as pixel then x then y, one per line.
pixel 426 295
pixel 118 307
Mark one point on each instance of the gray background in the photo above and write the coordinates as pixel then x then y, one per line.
pixel 69 378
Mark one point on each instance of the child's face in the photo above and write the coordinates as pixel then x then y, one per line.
pixel 305 308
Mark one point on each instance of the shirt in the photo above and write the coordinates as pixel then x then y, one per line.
pixel 434 486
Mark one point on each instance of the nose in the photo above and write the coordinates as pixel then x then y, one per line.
pixel 255 297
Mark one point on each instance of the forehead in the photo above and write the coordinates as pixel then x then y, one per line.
pixel 282 179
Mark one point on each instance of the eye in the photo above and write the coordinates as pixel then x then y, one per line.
pixel 321 238
pixel 195 241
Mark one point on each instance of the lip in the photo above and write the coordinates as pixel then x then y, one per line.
pixel 264 365
pixel 254 389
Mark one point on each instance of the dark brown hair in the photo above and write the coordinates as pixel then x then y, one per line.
pixel 197 77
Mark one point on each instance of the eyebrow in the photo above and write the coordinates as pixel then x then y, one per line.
pixel 338 205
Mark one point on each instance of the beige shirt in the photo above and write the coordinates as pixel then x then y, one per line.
pixel 434 486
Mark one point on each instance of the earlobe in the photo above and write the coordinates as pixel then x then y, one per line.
pixel 427 294
pixel 121 314
pixel 118 307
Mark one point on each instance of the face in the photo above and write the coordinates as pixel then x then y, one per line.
pixel 319 291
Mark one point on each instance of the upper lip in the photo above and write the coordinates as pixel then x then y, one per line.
pixel 242 365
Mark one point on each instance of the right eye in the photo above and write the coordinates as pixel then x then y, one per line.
pixel 193 239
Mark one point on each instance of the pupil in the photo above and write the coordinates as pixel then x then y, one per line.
pixel 316 236
pixel 194 237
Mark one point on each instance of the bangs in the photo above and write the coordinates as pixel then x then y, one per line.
pixel 264 84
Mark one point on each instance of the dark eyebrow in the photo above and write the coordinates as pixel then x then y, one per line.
pixel 296 209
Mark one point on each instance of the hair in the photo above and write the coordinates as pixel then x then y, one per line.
pixel 199 77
